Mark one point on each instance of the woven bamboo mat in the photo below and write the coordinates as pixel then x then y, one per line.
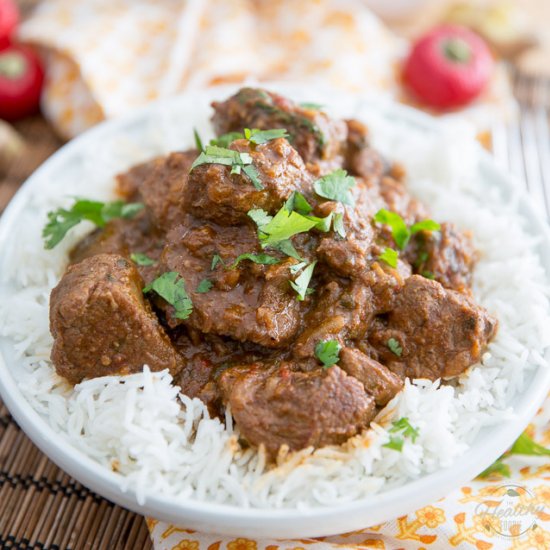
pixel 41 506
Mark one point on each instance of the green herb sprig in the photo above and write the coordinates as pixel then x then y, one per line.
pixel 168 287
pixel 405 430
pixel 60 221
pixel 400 232
pixel 328 352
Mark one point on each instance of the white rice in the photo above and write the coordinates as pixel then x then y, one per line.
pixel 164 442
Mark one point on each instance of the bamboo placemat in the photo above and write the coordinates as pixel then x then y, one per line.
pixel 42 507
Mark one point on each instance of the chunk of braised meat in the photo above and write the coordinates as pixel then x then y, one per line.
pixel 448 256
pixel 318 138
pixel 102 325
pixel 123 237
pixel 342 309
pixel 250 302
pixel 350 255
pixel 128 183
pixel 361 159
pixel 439 332
pixel 385 283
pixel 377 379
pixel 279 406
pixel 214 193
pixel 162 191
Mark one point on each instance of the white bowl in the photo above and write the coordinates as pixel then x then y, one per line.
pixel 233 520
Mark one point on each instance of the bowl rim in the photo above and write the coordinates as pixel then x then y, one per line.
pixel 287 522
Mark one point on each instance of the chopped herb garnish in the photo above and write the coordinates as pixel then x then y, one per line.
pixel 425 225
pixel 263 136
pixel 428 275
pixel 261 258
pixel 322 224
pixel 298 203
pixel 497 467
pixel 216 259
pixel 395 443
pixel 226 140
pixel 422 258
pixel 204 286
pixel 198 140
pixel 281 227
pixel 301 283
pixel 173 291
pixel 399 229
pixel 311 106
pixel 400 232
pixel 524 445
pixel 259 217
pixel 336 186
pixel 403 425
pixel 389 256
pixel 328 352
pixel 62 220
pixel 338 225
pixel 213 154
pixel 394 347
pixel 297 267
pixel 286 247
pixel 142 259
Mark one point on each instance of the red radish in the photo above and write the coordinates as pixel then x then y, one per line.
pixel 21 79
pixel 9 19
pixel 448 67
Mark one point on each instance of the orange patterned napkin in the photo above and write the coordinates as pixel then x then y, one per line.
pixel 482 515
pixel 105 57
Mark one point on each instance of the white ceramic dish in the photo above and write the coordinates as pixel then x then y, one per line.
pixel 232 520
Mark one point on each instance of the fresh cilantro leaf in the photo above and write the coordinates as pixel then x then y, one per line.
pixel 336 186
pixel 422 258
pixel 311 106
pixel 524 445
pixel 400 232
pixel 261 258
pixel 399 229
pixel 216 259
pixel 301 283
pixel 395 443
pixel 62 220
pixel 389 256
pixel 497 467
pixel 142 259
pixel 263 136
pixel 394 347
pixel 173 291
pixel 282 226
pixel 338 225
pixel 403 425
pixel 297 267
pixel 286 247
pixel 428 275
pixel 425 225
pixel 226 140
pixel 204 286
pixel 298 203
pixel 251 171
pixel 328 352
pixel 214 154
pixel 259 217
pixel 322 224
pixel 198 140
